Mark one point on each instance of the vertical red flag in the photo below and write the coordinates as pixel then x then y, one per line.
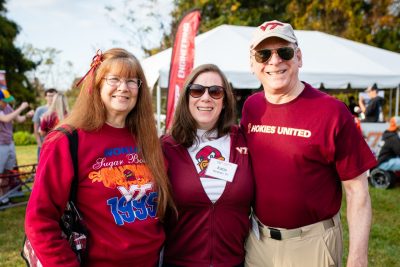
pixel 182 60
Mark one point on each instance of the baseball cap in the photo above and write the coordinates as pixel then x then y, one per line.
pixel 273 28
pixel 394 123
pixel 6 96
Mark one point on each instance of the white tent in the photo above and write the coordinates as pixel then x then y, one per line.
pixel 329 60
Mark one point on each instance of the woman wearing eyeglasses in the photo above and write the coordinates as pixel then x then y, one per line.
pixel 210 174
pixel 122 190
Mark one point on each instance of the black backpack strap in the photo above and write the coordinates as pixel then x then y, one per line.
pixel 73 148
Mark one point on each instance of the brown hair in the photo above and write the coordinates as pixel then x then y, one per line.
pixel 89 114
pixel 184 127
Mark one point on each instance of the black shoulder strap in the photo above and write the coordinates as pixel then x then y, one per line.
pixel 73 148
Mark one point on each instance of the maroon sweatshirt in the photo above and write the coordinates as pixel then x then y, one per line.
pixel 207 234
pixel 115 195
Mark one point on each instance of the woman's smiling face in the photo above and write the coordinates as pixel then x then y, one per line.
pixel 119 99
pixel 205 110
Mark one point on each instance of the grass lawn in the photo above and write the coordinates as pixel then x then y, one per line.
pixel 12 220
pixel 384 244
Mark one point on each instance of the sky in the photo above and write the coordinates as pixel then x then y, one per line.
pixel 77 28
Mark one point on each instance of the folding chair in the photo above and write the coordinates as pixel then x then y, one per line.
pixel 16 183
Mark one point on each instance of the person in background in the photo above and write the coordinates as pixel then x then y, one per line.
pixel 8 116
pixel 301 159
pixel 123 190
pixel 57 111
pixel 48 95
pixel 355 111
pixel 353 105
pixel 373 110
pixel 213 210
pixel 389 154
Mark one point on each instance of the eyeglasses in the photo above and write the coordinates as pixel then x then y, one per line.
pixel 132 83
pixel 197 90
pixel 285 53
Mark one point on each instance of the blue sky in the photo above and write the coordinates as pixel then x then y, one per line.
pixel 75 27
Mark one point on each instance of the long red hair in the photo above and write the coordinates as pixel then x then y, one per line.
pixel 89 114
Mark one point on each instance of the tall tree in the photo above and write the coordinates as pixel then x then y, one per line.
pixel 234 12
pixel 13 61
pixel 374 22
pixel 145 25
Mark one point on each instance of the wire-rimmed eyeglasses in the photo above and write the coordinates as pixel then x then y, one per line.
pixel 131 83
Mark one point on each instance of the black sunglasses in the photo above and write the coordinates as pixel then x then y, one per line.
pixel 285 53
pixel 197 90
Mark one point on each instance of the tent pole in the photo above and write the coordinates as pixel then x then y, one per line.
pixel 158 110
pixel 390 102
pixel 397 101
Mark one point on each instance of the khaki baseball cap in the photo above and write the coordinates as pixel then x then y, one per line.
pixel 273 28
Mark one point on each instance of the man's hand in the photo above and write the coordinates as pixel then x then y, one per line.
pixel 30 113
pixel 24 105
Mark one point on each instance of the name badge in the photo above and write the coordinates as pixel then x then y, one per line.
pixel 221 169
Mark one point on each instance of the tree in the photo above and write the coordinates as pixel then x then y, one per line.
pixel 235 12
pixel 145 25
pixel 13 61
pixel 50 71
pixel 374 22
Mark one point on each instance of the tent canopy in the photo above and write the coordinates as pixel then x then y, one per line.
pixel 329 60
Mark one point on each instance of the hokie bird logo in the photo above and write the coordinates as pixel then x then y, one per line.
pixel 131 180
pixel 204 156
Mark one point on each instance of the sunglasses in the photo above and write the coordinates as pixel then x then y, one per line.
pixel 197 90
pixel 285 53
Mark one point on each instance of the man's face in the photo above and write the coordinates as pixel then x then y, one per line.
pixel 49 98
pixel 277 74
pixel 372 93
pixel 2 105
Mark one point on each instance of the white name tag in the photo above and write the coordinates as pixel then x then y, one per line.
pixel 221 169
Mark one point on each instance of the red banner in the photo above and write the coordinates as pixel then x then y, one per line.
pixel 181 61
pixel 3 84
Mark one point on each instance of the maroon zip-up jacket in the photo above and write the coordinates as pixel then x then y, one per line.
pixel 207 234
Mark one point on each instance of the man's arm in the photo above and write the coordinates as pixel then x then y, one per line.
pixel 361 104
pixel 359 219
pixel 15 115
pixel 22 118
pixel 37 134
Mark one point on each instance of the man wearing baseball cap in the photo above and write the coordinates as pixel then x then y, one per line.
pixel 373 109
pixel 7 117
pixel 301 159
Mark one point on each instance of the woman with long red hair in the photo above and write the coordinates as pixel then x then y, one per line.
pixel 123 190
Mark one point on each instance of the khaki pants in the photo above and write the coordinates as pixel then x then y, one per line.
pixel 315 245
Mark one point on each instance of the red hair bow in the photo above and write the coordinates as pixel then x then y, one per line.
pixel 96 61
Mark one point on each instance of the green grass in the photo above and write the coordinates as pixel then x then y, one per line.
pixel 12 220
pixel 384 244
pixel 26 154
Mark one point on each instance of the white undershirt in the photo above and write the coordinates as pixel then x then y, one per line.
pixel 217 148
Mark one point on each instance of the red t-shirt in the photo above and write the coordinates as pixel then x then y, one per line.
pixel 301 151
pixel 115 196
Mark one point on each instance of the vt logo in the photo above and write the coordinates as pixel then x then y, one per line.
pixel 134 191
pixel 242 150
pixel 272 24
